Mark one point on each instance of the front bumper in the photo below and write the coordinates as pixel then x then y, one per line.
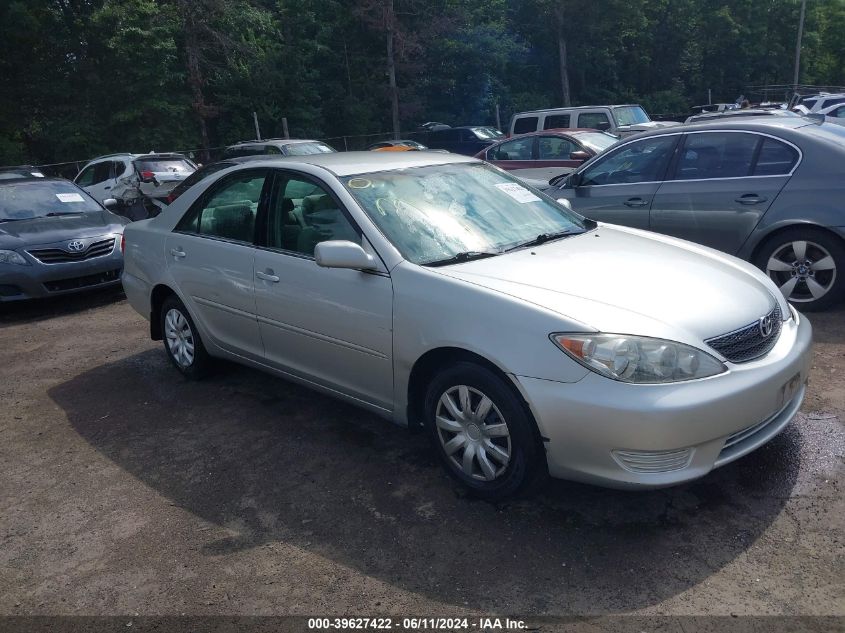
pixel 622 435
pixel 38 280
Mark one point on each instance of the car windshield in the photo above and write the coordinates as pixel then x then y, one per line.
pixel 435 213
pixel 39 198
pixel 630 115
pixel 161 165
pixel 597 141
pixel 304 149
pixel 487 133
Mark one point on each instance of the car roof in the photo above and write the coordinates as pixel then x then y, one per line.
pixel 275 141
pixel 746 112
pixel 23 180
pixel 586 107
pixel 351 163
pixel 753 124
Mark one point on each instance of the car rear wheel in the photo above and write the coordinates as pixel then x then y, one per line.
pixel 807 265
pixel 182 341
pixel 482 432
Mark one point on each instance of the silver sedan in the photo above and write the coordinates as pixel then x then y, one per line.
pixel 441 293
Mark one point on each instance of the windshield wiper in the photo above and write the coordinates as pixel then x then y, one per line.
pixel 464 256
pixel 54 214
pixel 543 238
pixel 13 219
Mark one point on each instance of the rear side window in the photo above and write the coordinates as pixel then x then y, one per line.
pixel 229 211
pixel 829 102
pixel 775 158
pixel 554 121
pixel 717 155
pixel 594 120
pixel 518 149
pixel 525 124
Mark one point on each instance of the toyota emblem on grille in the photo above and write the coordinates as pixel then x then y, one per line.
pixel 76 245
pixel 767 324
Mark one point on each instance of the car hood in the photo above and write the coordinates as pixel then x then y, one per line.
pixel 47 230
pixel 615 279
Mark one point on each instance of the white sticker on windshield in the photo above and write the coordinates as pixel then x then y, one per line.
pixel 70 197
pixel 517 192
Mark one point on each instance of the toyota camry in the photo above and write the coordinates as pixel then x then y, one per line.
pixel 442 294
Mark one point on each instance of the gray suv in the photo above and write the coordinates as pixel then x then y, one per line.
pixel 770 190
pixel 55 239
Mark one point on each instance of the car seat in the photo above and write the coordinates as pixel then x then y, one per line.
pixel 235 221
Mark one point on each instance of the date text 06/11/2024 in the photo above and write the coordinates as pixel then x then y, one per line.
pixel 416 624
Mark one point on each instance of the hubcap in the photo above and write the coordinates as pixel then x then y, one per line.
pixel 473 433
pixel 180 338
pixel 804 271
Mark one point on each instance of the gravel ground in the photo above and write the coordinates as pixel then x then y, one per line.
pixel 126 489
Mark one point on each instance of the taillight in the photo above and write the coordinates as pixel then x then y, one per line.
pixel 146 176
pixel 122 244
pixel 170 197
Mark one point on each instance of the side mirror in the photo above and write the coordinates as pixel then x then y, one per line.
pixel 604 126
pixel 579 155
pixel 575 179
pixel 110 203
pixel 564 202
pixel 343 254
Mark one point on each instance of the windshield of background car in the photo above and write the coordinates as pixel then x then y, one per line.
pixel 433 213
pixel 487 133
pixel 304 149
pixel 630 115
pixel 164 164
pixel 37 199
pixel 597 141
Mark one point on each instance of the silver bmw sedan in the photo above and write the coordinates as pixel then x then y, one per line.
pixel 443 294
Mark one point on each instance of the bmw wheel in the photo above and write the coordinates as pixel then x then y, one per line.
pixel 182 340
pixel 808 265
pixel 482 432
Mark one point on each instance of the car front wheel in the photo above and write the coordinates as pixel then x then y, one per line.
pixel 807 265
pixel 182 341
pixel 482 432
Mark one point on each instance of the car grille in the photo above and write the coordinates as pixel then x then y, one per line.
pixel 59 256
pixel 748 343
pixel 653 461
pixel 83 282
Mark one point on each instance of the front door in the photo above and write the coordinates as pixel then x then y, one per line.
pixel 210 257
pixel 619 187
pixel 329 326
pixel 722 185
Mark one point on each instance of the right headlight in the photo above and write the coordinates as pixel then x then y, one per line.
pixel 638 359
pixel 11 257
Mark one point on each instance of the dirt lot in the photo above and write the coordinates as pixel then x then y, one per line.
pixel 126 489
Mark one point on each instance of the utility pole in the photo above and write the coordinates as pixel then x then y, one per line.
pixel 798 46
pixel 257 130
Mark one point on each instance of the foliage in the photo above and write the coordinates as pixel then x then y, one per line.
pixel 83 77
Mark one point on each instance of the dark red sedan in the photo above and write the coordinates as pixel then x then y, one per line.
pixel 544 155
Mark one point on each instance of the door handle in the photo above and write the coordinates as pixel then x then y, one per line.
pixel 635 202
pixel 750 198
pixel 107 188
pixel 267 276
pixel 178 253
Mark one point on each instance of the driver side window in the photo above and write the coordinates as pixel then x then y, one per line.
pixel 641 161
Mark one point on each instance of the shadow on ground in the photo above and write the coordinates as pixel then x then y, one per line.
pixel 274 462
pixel 52 307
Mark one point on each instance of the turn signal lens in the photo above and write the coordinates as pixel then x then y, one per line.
pixel 638 359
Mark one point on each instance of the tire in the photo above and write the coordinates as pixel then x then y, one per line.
pixel 513 457
pixel 182 340
pixel 808 265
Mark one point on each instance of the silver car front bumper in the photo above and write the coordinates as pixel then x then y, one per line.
pixel 623 435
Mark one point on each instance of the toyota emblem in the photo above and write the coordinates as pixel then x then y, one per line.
pixel 76 246
pixel 767 324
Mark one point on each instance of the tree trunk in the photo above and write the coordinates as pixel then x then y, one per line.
pixel 195 79
pixel 391 70
pixel 561 49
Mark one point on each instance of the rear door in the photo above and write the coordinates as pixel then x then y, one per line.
pixel 210 256
pixel 515 154
pixel 722 183
pixel 619 187
pixel 329 326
